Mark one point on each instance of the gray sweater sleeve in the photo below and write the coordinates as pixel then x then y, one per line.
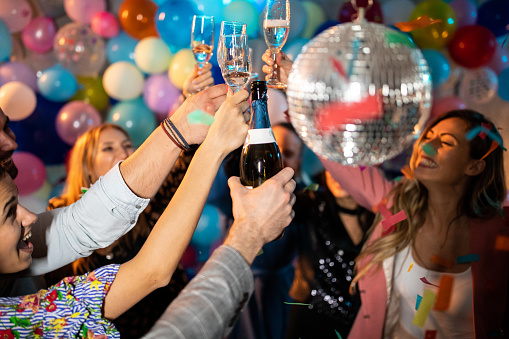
pixel 211 303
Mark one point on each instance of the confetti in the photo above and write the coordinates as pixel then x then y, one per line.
pixel 339 335
pixel 485 127
pixel 200 117
pixel 493 147
pixel 382 208
pixel 336 64
pixel 420 22
pixel 312 187
pixel 430 334
pixel 407 172
pixel 418 302
pixel 424 280
pixel 502 243
pixel 424 308
pixel 429 149
pixel 467 258
pixel 297 304
pixel 390 222
pixel 444 292
pixel 411 265
pixel 444 262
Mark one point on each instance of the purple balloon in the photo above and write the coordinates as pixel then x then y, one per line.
pixel 74 119
pixel 500 60
pixel 18 71
pixel 159 93
pixel 38 35
pixel 466 12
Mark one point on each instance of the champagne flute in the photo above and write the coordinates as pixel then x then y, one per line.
pixel 202 38
pixel 233 28
pixel 234 60
pixel 276 25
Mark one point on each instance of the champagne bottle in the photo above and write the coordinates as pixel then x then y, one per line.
pixel 261 158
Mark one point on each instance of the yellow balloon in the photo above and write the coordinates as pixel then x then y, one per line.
pixel 91 91
pixel 314 18
pixel 181 66
pixel 437 35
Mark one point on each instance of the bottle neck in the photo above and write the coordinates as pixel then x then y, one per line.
pixel 259 112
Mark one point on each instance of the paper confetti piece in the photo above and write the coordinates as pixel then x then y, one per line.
pixel 485 127
pixel 420 22
pixel 312 187
pixel 382 208
pixel 429 150
pixel 362 168
pixel 444 292
pixel 296 304
pixel 336 64
pixel 444 262
pixel 430 334
pixel 407 172
pixel 493 147
pixel 424 308
pixel 502 243
pixel 339 335
pixel 467 258
pixel 200 117
pixel 389 223
pixel 424 280
pixel 418 302
pixel 375 208
pixel 410 267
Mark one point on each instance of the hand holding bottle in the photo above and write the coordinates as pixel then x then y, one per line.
pixel 283 61
pixel 198 80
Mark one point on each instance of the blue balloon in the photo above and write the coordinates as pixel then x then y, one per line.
pixel 211 7
pixel 135 117
pixel 174 19
pixel 298 20
pixel 217 75
pixel 208 229
pixel 57 84
pixel 293 48
pixel 438 65
pixel 325 25
pixel 5 42
pixel 494 15
pixel 121 48
pixel 503 84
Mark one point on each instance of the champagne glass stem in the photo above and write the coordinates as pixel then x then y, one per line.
pixel 275 69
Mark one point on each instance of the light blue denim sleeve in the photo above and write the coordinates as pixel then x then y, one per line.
pixel 107 211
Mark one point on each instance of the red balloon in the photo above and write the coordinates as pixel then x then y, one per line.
pixel 347 13
pixel 472 46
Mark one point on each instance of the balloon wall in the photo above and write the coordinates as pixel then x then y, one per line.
pixel 66 66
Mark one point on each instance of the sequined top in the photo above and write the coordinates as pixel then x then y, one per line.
pixel 69 309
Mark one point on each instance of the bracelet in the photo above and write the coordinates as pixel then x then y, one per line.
pixel 174 136
pixel 169 136
pixel 180 136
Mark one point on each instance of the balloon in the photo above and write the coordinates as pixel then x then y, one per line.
pixel 347 13
pixel 121 48
pixel 135 117
pixel 208 229
pixel 38 35
pixel 189 258
pixel 444 105
pixel 16 14
pixel 57 84
pixel 137 18
pixel 105 24
pixel 217 75
pixel 500 60
pixel 478 86
pixel 315 16
pixel 439 66
pixel 17 100
pixel 298 18
pixel 5 42
pixel 173 18
pixel 276 106
pixel 439 34
pixel 91 91
pixel 294 48
pixel 52 8
pixel 472 46
pixel 82 11
pixel 160 94
pixel 466 12
pixel 31 172
pixel 43 192
pixel 325 25
pixel 55 174
pixel 211 7
pixel 494 15
pixel 152 55
pixel 74 119
pixel 123 81
pixel 39 62
pixel 18 71
pixel 78 48
pixel 33 203
pixel 181 66
pixel 503 84
pixel 243 11
pixel 395 11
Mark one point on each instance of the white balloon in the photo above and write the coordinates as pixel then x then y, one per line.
pixel 152 55
pixel 17 100
pixel 478 86
pixel 123 81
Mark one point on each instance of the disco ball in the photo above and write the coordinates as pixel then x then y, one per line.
pixel 359 93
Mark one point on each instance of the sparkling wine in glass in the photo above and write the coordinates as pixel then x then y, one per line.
pixel 202 38
pixel 235 61
pixel 276 26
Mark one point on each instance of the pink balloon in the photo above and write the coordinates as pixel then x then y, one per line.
pixel 160 94
pixel 500 60
pixel 466 12
pixel 16 14
pixel 74 119
pixel 105 24
pixel 83 10
pixel 446 104
pixel 18 71
pixel 38 35
pixel 31 172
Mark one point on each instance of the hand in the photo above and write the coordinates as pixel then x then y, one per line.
pixel 198 80
pixel 208 101
pixel 261 214
pixel 284 63
pixel 230 125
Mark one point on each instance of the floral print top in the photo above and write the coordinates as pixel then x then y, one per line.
pixel 70 309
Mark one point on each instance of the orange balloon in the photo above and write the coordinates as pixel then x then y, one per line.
pixel 137 18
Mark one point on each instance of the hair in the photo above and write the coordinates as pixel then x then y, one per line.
pixel 482 198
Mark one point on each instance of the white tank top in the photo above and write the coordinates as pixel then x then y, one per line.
pixel 455 322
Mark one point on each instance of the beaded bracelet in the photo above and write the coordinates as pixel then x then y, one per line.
pixel 180 136
pixel 169 136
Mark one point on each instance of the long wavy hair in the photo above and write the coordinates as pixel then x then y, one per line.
pixel 483 197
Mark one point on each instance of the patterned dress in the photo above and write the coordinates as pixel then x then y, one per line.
pixel 70 309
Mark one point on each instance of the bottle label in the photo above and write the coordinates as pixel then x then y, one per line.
pixel 259 136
